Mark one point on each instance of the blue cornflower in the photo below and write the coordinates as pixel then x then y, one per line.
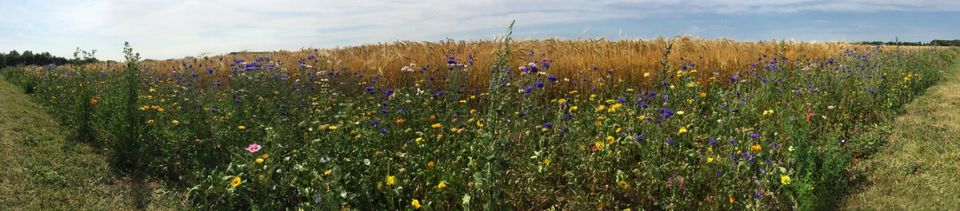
pixel 665 113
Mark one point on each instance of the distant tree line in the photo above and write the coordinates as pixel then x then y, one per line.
pixel 15 58
pixel 931 43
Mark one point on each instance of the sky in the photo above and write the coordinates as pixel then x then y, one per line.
pixel 161 29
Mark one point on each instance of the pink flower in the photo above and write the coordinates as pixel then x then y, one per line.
pixel 253 148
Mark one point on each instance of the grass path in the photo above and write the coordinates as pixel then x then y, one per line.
pixel 919 166
pixel 40 170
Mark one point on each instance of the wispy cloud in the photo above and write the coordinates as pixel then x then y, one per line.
pixel 174 28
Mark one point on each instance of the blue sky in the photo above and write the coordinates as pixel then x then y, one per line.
pixel 176 28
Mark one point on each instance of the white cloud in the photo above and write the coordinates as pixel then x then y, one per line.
pixel 175 28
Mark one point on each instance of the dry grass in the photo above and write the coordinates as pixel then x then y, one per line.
pixel 919 167
pixel 627 60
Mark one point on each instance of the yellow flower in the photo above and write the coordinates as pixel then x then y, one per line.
pixel 436 125
pixel 332 127
pixel 546 161
pixel 265 156
pixel 703 94
pixel 235 182
pixel 150 122
pixel 614 107
pixel 573 108
pixel 785 180
pixel 680 112
pixel 328 172
pixel 430 165
pixel 756 148
pixel 730 198
pixel 610 139
pixel 175 122
pixel 399 121
pixel 93 101
pixel 562 100
pixel 241 127
pixel 682 130
pixel 442 185
pixel 391 180
pixel 623 184
pixel 598 144
pixel 479 124
pixel 259 160
pixel 768 112
pixel 473 111
pixel 709 159
pixel 418 140
pixel 415 203
pixel 601 108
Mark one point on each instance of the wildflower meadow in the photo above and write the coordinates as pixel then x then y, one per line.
pixel 676 124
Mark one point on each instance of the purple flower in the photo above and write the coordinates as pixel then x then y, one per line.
pixel 713 141
pixel 388 93
pixel 754 135
pixel 671 142
pixel 870 90
pixel 552 78
pixel 665 113
pixel 538 84
pixel 639 138
pixel 548 124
